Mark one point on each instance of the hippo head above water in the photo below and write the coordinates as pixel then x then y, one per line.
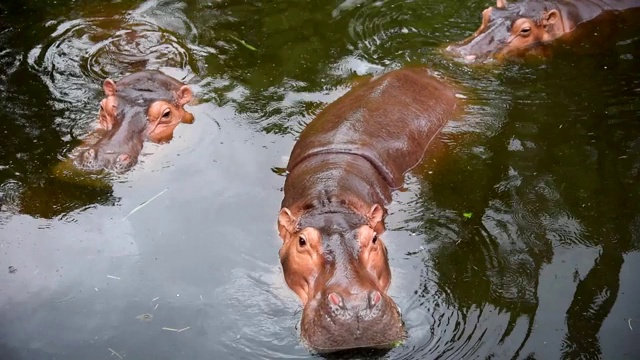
pixel 143 106
pixel 334 260
pixel 512 30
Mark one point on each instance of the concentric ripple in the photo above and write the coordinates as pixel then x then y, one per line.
pixel 10 196
pixel 141 46
pixel 439 328
pixel 380 28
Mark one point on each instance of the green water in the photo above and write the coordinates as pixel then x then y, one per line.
pixel 520 241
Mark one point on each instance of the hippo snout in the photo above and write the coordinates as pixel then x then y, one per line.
pixel 460 52
pixel 337 320
pixel 365 305
pixel 94 159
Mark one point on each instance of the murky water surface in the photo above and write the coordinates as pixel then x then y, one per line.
pixel 519 242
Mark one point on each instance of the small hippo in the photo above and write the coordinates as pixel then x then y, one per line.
pixel 521 28
pixel 342 171
pixel 146 105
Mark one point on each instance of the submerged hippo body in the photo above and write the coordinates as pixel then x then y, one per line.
pixel 342 171
pixel 146 105
pixel 522 28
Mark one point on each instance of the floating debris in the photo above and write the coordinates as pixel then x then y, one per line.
pixel 467 215
pixel 460 96
pixel 144 204
pixel 243 43
pixel 176 330
pixel 155 307
pixel 114 353
pixel 145 317
pixel 96 289
pixel 12 269
pixel 113 277
pixel 155 298
pixel 201 298
pixel 629 322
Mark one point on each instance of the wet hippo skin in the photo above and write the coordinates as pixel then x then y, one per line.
pixel 342 171
pixel 517 29
pixel 146 105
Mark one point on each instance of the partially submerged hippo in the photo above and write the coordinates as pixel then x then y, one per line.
pixel 341 174
pixel 147 105
pixel 521 28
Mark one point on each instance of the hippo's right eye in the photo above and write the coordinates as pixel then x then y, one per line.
pixel 525 30
pixel 166 113
pixel 302 241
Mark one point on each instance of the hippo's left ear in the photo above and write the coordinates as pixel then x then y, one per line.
pixel 184 95
pixel 286 222
pixel 375 217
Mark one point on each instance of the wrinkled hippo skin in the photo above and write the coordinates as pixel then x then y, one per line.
pixel 515 30
pixel 146 105
pixel 342 171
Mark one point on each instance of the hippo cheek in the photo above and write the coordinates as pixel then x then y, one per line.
pixel 330 323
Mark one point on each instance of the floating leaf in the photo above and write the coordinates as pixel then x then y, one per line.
pixel 467 215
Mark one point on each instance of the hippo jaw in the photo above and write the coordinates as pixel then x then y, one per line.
pixel 337 264
pixel 511 30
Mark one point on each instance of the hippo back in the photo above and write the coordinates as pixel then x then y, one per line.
pixel 577 12
pixel 389 121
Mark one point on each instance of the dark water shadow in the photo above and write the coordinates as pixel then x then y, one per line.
pixel 533 195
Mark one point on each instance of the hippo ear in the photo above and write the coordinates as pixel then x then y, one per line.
pixel 552 23
pixel 551 17
pixel 184 95
pixel 375 216
pixel 109 87
pixel 501 4
pixel 286 222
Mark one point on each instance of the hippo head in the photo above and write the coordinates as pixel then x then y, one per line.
pixel 143 106
pixel 334 260
pixel 511 30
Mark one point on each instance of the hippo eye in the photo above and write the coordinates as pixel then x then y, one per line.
pixel 166 113
pixel 525 30
pixel 302 241
pixel 375 239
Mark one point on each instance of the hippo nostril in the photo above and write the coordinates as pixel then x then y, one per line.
pixel 335 299
pixel 123 158
pixel 374 299
pixel 90 154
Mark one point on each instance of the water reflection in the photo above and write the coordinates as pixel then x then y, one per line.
pixel 533 194
pixel 546 163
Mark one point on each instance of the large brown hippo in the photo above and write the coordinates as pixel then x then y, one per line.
pixel 146 105
pixel 341 173
pixel 522 28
